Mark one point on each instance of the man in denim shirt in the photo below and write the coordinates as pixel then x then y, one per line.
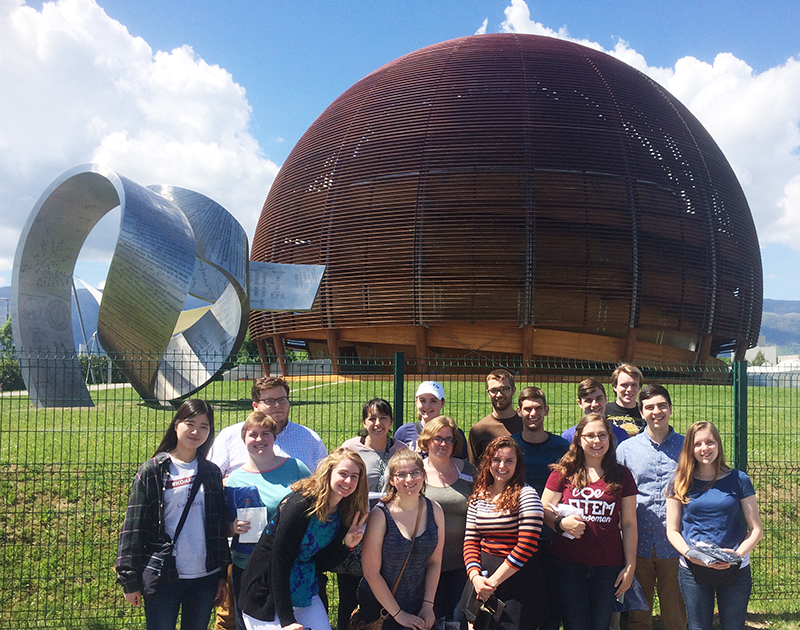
pixel 652 457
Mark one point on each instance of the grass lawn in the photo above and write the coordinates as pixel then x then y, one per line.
pixel 65 476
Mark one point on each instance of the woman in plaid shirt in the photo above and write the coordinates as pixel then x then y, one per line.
pixel 160 491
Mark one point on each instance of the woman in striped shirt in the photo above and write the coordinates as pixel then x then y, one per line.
pixel 504 520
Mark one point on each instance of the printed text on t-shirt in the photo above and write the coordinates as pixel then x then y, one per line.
pixel 587 500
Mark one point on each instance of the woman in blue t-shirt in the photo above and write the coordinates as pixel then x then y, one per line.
pixel 261 482
pixel 706 503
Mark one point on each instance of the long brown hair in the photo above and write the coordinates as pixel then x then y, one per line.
pixel 573 464
pixel 509 497
pixel 687 463
pixel 318 486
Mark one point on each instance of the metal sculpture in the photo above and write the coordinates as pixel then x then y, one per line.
pixel 172 242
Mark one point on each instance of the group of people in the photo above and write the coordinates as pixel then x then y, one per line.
pixel 557 528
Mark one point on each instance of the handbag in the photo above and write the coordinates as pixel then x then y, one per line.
pixel 480 614
pixel 714 578
pixel 356 621
pixel 160 566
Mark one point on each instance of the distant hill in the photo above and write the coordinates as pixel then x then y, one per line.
pixel 780 324
pixel 781 307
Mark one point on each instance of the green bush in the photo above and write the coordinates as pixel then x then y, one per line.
pixel 10 375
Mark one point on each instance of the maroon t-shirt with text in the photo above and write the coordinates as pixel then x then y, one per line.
pixel 601 543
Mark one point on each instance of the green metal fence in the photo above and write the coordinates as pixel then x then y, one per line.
pixel 65 473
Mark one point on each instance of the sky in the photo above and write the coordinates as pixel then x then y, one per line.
pixel 213 96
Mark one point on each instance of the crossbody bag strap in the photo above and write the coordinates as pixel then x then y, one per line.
pixel 192 494
pixel 413 540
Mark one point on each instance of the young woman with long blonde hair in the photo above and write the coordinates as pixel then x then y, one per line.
pixel 313 530
pixel 708 502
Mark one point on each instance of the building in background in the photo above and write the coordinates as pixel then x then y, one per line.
pixel 514 195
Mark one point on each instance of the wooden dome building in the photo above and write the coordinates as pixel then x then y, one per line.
pixel 513 195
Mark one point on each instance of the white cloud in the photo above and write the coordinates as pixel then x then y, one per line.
pixel 790 204
pixel 518 20
pixel 77 88
pixel 755 120
pixel 753 117
pixel 482 29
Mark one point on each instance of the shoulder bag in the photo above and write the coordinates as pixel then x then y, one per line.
pixel 356 620
pixel 160 566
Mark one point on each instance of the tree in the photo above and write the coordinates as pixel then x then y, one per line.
pixel 10 375
pixel 248 353
pixel 759 359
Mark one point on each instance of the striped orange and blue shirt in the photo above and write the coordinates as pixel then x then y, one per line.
pixel 514 535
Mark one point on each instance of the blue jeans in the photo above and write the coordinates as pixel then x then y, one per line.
pixel 586 594
pixel 195 599
pixel 448 594
pixel 551 611
pixel 732 600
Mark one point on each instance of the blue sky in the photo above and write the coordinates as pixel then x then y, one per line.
pixel 295 58
pixel 213 95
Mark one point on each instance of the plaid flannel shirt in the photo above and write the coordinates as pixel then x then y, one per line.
pixel 144 520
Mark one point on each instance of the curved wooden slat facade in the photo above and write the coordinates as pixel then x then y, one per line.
pixel 514 194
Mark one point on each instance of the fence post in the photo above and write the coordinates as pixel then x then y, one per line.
pixel 399 374
pixel 740 415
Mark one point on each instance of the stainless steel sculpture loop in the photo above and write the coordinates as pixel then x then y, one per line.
pixel 172 242
pixel 195 355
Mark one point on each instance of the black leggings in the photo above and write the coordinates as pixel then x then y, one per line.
pixel 348 585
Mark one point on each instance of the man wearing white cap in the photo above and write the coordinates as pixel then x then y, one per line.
pixel 429 402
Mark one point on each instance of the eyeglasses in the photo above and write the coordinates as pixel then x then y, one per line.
pixel 414 474
pixel 499 390
pixel 439 440
pixel 591 437
pixel 271 402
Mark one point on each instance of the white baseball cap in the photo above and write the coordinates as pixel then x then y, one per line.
pixel 431 387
